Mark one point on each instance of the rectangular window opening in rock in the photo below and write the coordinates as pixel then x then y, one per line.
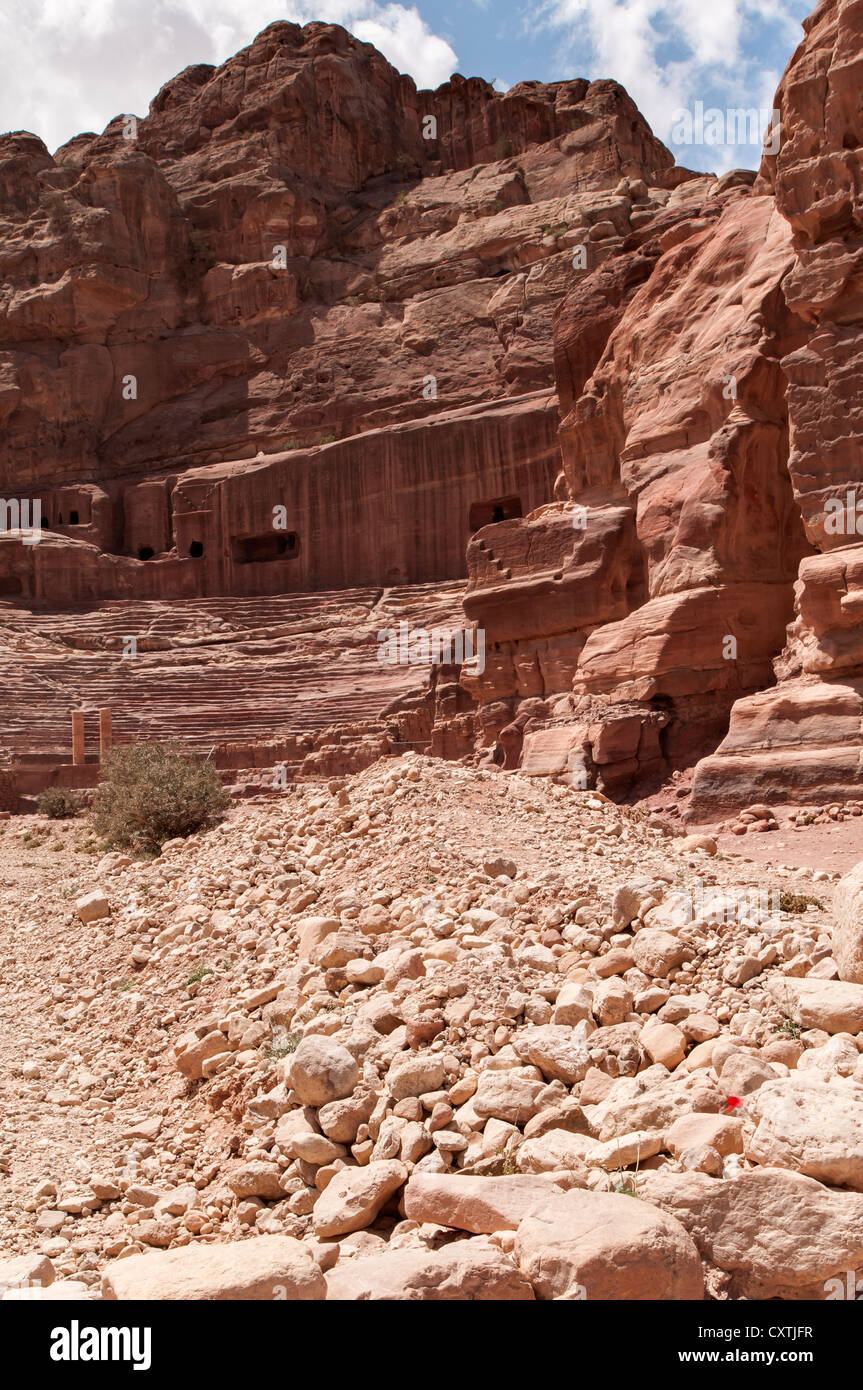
pixel 275 545
pixel 492 510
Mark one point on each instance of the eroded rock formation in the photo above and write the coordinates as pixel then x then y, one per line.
pixel 276 259
pixel 272 339
pixel 805 737
pixel 623 400
pixel 710 388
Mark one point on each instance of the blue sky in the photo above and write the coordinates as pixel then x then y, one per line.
pixel 100 58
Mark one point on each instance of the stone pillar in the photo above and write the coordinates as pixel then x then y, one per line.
pixel 104 733
pixel 77 736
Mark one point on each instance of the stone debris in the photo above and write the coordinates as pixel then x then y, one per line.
pixel 267 1267
pixel 429 1016
pixel 848 929
pixel 362 1066
pixel 602 1245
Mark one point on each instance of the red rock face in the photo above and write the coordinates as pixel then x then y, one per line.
pixel 398 257
pixel 621 399
pixel 275 294
pixel 802 740
pixel 717 403
pixel 679 539
pixel 816 180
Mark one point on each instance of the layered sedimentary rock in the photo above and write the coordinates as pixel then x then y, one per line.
pixel 289 333
pixel 710 442
pixel 668 583
pixel 293 250
pixel 393 506
pixel 305 329
pixel 293 681
pixel 804 739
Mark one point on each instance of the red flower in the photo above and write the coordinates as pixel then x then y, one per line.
pixel 731 1103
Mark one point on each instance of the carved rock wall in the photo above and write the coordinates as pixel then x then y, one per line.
pixel 279 295
pixel 804 740
pixel 716 405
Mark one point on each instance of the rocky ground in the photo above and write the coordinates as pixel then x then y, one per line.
pixel 427 1032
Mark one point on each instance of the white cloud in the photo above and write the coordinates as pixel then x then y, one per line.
pixel 401 34
pixel 713 59
pixel 72 65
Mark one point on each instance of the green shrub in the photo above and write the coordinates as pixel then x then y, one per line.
pixel 797 902
pixel 790 1027
pixel 150 794
pixel 58 803
pixel 198 974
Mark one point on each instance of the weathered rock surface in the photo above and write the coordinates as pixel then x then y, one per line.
pixel 354 1197
pixel 811 1125
pixel 833 1005
pixel 802 739
pixel 777 1234
pixel 848 926
pixel 25 1271
pixel 478 1205
pixel 471 1270
pixel 595 1245
pixel 264 1267
pixel 321 1071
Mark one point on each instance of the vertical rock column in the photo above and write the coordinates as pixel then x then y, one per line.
pixel 105 737
pixel 77 736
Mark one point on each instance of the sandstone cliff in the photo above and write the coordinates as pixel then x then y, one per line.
pixel 298 283
pixel 437 325
pixel 709 379
pixel 803 739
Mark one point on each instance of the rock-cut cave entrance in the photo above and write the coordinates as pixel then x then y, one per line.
pixel 275 545
pixel 493 509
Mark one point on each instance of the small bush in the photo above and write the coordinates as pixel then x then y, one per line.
pixel 198 974
pixel 789 1027
pixel 797 902
pixel 281 1044
pixel 151 794
pixel 58 803
pixel 626 1187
